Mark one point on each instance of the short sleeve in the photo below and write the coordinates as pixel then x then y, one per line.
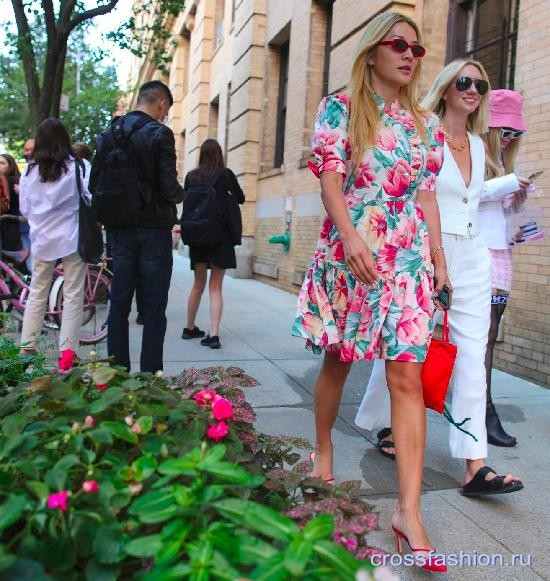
pixel 434 156
pixel 330 145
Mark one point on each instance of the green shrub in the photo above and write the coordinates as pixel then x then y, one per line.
pixel 105 475
pixel 16 368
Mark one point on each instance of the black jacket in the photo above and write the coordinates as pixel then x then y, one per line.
pixel 152 148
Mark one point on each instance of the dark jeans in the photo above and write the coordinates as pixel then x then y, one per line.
pixel 142 257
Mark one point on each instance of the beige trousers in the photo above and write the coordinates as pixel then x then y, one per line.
pixel 74 276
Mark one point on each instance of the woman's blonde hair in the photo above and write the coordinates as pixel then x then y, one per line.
pixel 494 154
pixel 478 119
pixel 364 116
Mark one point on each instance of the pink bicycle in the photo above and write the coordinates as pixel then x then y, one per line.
pixel 14 291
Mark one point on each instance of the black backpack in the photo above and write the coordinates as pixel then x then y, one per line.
pixel 117 196
pixel 201 216
pixel 90 236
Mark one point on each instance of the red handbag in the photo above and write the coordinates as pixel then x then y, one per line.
pixel 437 369
pixel 436 375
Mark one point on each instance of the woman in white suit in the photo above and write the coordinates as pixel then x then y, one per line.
pixel 459 97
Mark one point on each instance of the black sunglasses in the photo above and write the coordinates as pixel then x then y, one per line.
pixel 464 83
pixel 401 45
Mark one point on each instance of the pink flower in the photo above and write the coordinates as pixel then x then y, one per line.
pixel 135 488
pixel 76 427
pixel 337 251
pixel 351 544
pixel 413 327
pixel 326 229
pixel 365 176
pixel 129 420
pixel 385 260
pixel 205 397
pixel 434 160
pixel 90 486
pixel 222 409
pixel 398 179
pixel 136 428
pixel 101 386
pixel 217 432
pixel 89 422
pixel 66 360
pixel 386 139
pixel 58 500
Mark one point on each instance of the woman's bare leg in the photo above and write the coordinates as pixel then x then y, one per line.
pixel 408 420
pixel 194 301
pixel 216 299
pixel 328 393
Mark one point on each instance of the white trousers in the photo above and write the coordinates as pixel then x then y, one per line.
pixel 469 267
pixel 74 276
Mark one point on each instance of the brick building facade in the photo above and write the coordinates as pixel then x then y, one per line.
pixel 251 73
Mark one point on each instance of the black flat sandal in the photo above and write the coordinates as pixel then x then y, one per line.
pixel 480 486
pixel 382 443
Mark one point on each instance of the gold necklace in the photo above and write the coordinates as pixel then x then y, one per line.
pixel 452 144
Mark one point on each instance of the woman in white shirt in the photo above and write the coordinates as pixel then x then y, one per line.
pixel 506 126
pixel 49 199
pixel 459 97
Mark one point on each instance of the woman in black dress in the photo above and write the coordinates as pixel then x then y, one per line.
pixel 217 258
pixel 10 223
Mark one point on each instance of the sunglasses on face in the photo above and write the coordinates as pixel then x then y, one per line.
pixel 401 45
pixel 464 83
pixel 506 133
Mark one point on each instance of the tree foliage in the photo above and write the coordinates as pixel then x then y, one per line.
pixel 44 27
pixel 147 31
pixel 90 109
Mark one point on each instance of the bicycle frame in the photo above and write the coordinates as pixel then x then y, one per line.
pixel 15 277
pixel 19 302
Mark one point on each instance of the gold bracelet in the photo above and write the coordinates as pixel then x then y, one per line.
pixel 436 251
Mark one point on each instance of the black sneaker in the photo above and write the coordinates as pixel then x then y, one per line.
pixel 212 342
pixel 193 333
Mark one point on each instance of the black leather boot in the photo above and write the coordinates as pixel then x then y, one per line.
pixel 495 432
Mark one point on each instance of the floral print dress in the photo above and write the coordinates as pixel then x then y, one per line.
pixel 391 319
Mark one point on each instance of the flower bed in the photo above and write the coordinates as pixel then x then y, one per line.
pixel 109 476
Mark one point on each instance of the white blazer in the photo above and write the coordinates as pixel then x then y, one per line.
pixel 458 203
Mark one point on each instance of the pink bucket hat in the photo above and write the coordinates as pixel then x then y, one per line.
pixel 505 109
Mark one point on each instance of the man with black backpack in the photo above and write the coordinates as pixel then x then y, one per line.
pixel 135 190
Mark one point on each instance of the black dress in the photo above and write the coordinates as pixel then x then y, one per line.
pixel 9 229
pixel 222 254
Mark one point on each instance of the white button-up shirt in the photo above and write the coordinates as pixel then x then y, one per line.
pixel 52 211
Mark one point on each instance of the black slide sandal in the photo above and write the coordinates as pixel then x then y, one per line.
pixel 479 486
pixel 382 443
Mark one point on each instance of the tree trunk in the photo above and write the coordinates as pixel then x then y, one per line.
pixel 52 82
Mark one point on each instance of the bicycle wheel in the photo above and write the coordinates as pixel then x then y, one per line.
pixel 97 293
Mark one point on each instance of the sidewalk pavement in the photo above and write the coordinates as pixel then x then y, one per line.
pixel 255 335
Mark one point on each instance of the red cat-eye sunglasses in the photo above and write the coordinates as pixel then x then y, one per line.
pixel 401 45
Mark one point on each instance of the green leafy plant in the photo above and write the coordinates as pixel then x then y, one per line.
pixel 16 368
pixel 104 475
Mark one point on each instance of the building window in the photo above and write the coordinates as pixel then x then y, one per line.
pixel 485 30
pixel 213 116
pixel 281 105
pixel 227 120
pixel 218 23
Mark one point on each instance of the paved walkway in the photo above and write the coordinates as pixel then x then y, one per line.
pixel 255 336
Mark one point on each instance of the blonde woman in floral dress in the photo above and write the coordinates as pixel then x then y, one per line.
pixel 369 292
